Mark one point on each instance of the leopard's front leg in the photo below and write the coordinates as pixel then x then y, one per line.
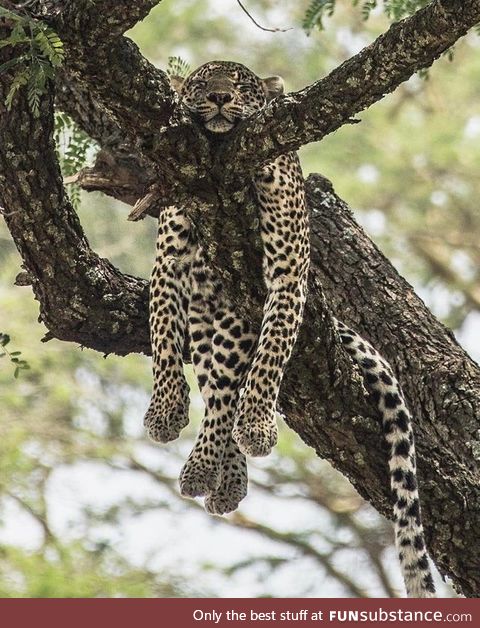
pixel 169 296
pixel 285 235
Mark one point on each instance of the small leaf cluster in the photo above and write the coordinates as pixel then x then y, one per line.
pixel 14 356
pixel 366 7
pixel 398 9
pixel 40 51
pixel 394 9
pixel 178 67
pixel 73 145
pixel 317 10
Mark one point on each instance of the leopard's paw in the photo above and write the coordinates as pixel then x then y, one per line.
pixel 223 501
pixel 234 484
pixel 199 477
pixel 255 431
pixel 167 414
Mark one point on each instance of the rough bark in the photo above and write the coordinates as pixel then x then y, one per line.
pixel 100 19
pixel 85 299
pixel 76 289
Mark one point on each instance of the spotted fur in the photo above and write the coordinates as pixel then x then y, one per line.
pixel 397 428
pixel 239 373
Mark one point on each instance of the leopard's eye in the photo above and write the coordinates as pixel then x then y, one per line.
pixel 244 87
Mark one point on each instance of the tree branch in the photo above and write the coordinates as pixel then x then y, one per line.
pixel 128 89
pixel 140 99
pixel 99 20
pixel 135 94
pixel 83 298
pixel 119 169
pixel 78 101
pixel 307 116
pixel 40 518
pixel 238 520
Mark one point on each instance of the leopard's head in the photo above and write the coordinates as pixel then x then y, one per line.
pixel 222 93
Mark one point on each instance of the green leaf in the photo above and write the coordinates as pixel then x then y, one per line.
pixel 178 67
pixel 44 55
pixel 367 8
pixel 73 145
pixel 50 46
pixel 20 79
pixel 17 36
pixel 394 9
pixel 315 13
pixel 10 15
pixel 4 340
pixel 398 9
pixel 10 41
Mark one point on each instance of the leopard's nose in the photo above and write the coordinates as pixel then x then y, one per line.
pixel 219 98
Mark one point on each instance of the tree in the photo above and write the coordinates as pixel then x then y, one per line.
pixel 119 99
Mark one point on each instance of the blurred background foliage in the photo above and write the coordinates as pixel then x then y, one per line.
pixel 88 507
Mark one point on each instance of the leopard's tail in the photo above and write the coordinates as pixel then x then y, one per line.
pixel 397 428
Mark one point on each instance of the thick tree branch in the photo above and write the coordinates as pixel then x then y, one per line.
pixel 110 68
pixel 119 169
pixel 307 116
pixel 137 96
pixel 79 293
pixel 78 101
pixel 288 122
pixel 99 20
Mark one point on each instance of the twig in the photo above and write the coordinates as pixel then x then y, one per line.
pixel 41 519
pixel 263 28
pixel 240 521
pixel 143 204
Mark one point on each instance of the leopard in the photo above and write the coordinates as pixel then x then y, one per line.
pixel 239 370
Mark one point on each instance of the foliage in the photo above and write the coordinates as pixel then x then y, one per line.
pixel 315 13
pixel 72 571
pixel 40 52
pixel 394 9
pixel 73 146
pixel 178 67
pixel 14 356
pixel 398 9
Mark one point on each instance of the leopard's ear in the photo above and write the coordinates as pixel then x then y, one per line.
pixel 273 86
pixel 177 82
